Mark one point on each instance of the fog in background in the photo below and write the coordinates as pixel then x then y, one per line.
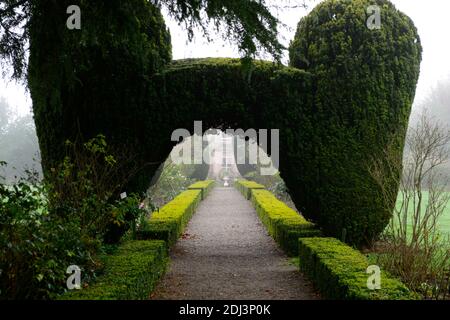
pixel 18 141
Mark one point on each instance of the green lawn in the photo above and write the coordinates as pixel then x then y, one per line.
pixel 444 222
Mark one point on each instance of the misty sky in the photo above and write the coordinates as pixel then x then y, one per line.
pixel 431 18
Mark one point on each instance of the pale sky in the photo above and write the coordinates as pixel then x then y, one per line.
pixel 431 17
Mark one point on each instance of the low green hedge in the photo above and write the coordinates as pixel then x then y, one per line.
pixel 204 186
pixel 245 187
pixel 339 272
pixel 169 222
pixel 130 274
pixel 283 223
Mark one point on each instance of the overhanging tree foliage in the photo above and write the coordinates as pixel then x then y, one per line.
pixel 249 23
pixel 14 15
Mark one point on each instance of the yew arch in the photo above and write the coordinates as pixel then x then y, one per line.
pixel 347 94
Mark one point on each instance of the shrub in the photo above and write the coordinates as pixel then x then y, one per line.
pixel 169 181
pixel 131 273
pixel 169 222
pixel 273 183
pixel 339 272
pixel 245 187
pixel 85 186
pixel 365 85
pixel 204 186
pixel 47 226
pixel 283 223
pixel 36 246
pixel 413 246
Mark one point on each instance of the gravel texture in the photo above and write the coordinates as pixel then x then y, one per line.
pixel 226 253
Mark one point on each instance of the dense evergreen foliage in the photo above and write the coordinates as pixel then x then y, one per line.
pixel 339 272
pixel 169 222
pixel 284 224
pixel 95 80
pixel 130 273
pixel 365 86
pixel 46 227
pixel 345 97
pixel 353 96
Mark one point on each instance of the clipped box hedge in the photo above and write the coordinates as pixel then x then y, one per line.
pixel 245 187
pixel 339 272
pixel 169 222
pixel 130 274
pixel 283 223
pixel 204 186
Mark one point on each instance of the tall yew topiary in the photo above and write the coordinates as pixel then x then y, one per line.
pixel 365 86
pixel 95 80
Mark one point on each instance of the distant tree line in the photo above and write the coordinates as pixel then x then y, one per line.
pixel 437 107
pixel 18 142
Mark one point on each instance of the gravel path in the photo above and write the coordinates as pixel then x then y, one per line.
pixel 226 253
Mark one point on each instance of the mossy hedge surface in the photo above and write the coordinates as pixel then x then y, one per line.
pixel 96 80
pixel 365 87
pixel 339 272
pixel 284 224
pixel 169 222
pixel 352 97
pixel 130 274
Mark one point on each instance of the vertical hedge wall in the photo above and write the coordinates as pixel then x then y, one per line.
pixel 365 86
pixel 96 80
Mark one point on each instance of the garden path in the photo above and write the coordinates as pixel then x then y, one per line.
pixel 226 253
